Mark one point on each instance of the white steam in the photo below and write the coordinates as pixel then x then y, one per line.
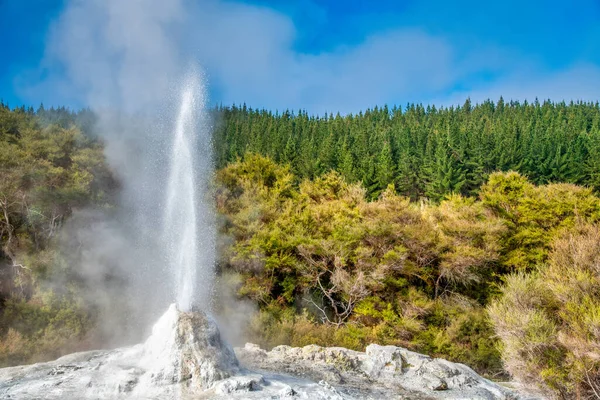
pixel 121 58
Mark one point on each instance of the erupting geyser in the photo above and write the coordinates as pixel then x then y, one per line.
pixel 188 224
pixel 185 345
pixel 185 356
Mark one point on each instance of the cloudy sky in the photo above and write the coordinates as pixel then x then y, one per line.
pixel 323 56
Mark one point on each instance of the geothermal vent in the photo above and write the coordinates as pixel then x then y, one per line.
pixel 186 347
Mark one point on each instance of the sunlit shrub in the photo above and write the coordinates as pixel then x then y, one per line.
pixel 549 321
pixel 535 215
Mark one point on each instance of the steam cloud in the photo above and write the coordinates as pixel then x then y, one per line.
pixel 122 58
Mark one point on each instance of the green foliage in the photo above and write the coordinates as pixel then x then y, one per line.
pixel 425 151
pixel 548 320
pixel 48 168
pixel 44 327
pixel 329 267
pixel 535 214
pixel 573 278
pixel 388 270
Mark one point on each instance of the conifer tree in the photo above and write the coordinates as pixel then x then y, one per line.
pixel 385 168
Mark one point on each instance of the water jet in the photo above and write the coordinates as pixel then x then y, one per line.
pixel 188 228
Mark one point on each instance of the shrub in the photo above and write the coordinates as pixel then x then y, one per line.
pixel 43 328
pixel 549 320
pixel 535 215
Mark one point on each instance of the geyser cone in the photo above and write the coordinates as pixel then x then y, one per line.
pixel 186 347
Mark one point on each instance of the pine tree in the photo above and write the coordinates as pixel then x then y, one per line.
pixel 347 163
pixel 385 169
pixel 434 151
pixel 445 175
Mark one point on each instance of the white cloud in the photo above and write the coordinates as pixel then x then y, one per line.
pixel 250 57
pixel 129 52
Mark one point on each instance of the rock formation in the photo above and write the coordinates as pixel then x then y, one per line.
pixel 185 358
pixel 186 348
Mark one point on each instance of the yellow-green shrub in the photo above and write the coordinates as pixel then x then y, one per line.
pixel 43 328
pixel 535 215
pixel 549 321
pixel 329 267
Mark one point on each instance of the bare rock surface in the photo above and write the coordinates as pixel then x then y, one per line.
pixel 380 372
pixel 185 358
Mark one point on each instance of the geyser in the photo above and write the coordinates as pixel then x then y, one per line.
pixel 189 220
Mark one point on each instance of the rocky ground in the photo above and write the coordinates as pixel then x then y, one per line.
pixel 185 358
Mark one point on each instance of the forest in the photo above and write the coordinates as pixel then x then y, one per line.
pixel 469 233
pixel 425 152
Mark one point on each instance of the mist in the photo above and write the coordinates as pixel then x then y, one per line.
pixel 122 60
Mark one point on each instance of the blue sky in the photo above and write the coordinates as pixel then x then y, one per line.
pixel 325 56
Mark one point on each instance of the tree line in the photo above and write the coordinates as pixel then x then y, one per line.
pixel 426 152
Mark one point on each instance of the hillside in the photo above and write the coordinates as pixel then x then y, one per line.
pixel 468 233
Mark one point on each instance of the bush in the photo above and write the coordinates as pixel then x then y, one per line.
pixel 43 328
pixel 450 327
pixel 535 215
pixel 549 320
